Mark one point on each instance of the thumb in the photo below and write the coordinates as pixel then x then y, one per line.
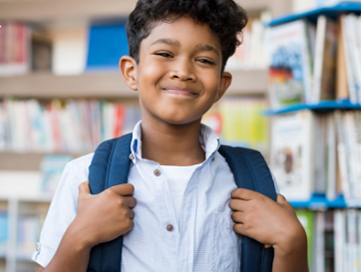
pixel 84 188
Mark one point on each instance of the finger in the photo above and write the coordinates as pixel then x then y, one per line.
pixel 84 188
pixel 239 228
pixel 238 204
pixel 126 189
pixel 267 246
pixel 129 201
pixel 281 199
pixel 238 217
pixel 131 213
pixel 244 194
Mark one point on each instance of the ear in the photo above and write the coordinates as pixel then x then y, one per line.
pixel 128 67
pixel 226 79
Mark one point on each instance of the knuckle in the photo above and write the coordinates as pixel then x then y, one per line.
pixel 124 214
pixel 108 193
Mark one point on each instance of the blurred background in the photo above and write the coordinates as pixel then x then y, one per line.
pixel 61 94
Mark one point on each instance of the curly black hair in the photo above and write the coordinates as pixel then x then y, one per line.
pixel 224 17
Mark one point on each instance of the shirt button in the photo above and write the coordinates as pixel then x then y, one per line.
pixel 169 227
pixel 131 156
pixel 156 172
pixel 213 159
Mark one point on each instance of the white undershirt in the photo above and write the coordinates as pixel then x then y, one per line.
pixel 178 177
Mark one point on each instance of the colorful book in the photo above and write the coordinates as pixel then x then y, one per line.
pixel 292 157
pixel 325 60
pixel 290 61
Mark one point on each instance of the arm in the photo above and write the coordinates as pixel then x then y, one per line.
pixel 100 218
pixel 271 223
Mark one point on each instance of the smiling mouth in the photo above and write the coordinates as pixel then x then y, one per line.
pixel 179 91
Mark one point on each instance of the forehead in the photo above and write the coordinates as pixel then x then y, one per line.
pixel 185 31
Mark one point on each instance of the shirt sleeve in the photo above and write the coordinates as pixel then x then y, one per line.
pixel 62 212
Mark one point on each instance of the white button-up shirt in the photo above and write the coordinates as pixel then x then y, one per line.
pixel 201 240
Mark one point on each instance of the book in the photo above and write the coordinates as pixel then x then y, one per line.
pixel 329 241
pixel 340 238
pixel 325 60
pixel 292 158
pixel 14 45
pixel 318 263
pixel 306 218
pixel 41 51
pixel 342 91
pixel 250 54
pixel 243 123
pixel 290 72
pixel 106 45
pixel 331 159
pixel 4 222
pixel 69 50
pixel 348 41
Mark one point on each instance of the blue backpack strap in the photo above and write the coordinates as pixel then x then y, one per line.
pixel 109 167
pixel 251 172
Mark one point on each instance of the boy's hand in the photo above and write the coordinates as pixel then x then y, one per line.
pixel 269 222
pixel 105 216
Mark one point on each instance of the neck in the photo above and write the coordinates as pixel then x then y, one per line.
pixel 172 144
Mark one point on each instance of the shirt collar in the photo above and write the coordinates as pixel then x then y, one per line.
pixel 208 139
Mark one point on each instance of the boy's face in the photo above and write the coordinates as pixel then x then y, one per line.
pixel 179 72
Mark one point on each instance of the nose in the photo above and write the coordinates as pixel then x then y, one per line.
pixel 183 70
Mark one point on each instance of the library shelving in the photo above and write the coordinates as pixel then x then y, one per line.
pixel 323 106
pixel 68 14
pixel 108 85
pixel 315 145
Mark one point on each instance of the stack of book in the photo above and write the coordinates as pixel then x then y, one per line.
pixel 251 53
pixel 23 49
pixel 240 122
pixel 318 153
pixel 303 59
pixel 75 126
pixel 334 240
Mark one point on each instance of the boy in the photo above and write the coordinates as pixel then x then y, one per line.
pixel 175 212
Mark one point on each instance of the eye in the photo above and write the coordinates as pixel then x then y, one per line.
pixel 163 54
pixel 205 61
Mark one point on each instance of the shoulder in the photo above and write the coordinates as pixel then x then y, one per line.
pixel 76 171
pixel 80 162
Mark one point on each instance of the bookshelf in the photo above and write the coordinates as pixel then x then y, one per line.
pixel 56 10
pixel 331 209
pixel 108 85
pixel 69 14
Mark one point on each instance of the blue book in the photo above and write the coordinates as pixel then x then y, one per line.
pixel 106 45
pixel 4 221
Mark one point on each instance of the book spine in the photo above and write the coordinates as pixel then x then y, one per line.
pixel 319 55
pixel 348 57
pixel 342 91
pixel 342 154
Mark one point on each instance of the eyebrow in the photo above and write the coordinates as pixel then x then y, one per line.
pixel 167 41
pixel 206 47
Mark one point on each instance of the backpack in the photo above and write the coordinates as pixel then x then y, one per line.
pixel 110 166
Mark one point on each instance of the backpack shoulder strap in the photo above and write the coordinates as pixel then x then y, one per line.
pixel 109 167
pixel 251 172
